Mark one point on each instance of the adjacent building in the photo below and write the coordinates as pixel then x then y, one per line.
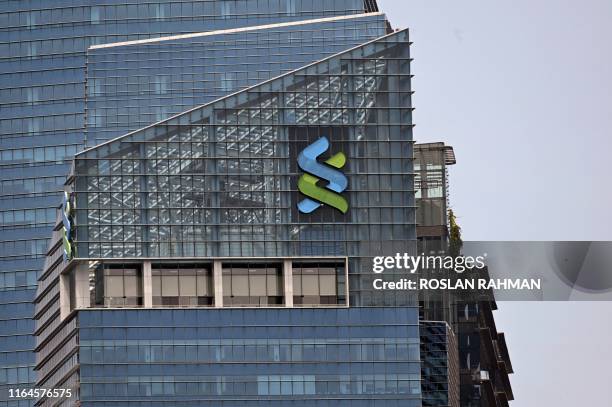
pixel 439 364
pixel 431 164
pixel 479 358
pixel 484 360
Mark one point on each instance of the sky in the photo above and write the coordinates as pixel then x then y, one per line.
pixel 522 90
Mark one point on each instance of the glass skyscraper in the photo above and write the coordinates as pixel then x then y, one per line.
pixel 200 211
pixel 47 101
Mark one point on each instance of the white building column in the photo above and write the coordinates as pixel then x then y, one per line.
pixel 147 285
pixel 81 286
pixel 288 282
pixel 218 283
pixel 64 299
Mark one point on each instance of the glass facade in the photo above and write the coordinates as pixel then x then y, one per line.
pixel 439 364
pixel 216 187
pixel 43 102
pixel 254 357
pixel 15 348
pixel 221 180
pixel 131 85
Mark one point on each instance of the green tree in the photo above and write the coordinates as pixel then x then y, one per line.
pixel 455 243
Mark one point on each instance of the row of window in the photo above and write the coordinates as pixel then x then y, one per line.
pixel 171 191
pixel 231 152
pixel 241 248
pixel 178 237
pixel 167 209
pixel 257 334
pixel 34 125
pixel 14 279
pixel 31 185
pixel 164 11
pixel 16 343
pixel 320 314
pixel 17 325
pixel 40 77
pixel 289 385
pixel 265 324
pixel 270 145
pixel 27 216
pixel 105 90
pixel 37 94
pixel 289 352
pixel 20 308
pixel 16 355
pixel 144 401
pixel 395 117
pixel 164 173
pixel 34 247
pixel 243 285
pixel 15 375
pixel 28 49
pixel 235 193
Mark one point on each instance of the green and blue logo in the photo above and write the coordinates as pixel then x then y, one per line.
pixel 316 171
pixel 67 231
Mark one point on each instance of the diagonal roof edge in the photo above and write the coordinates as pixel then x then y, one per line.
pixel 186 112
pixel 232 30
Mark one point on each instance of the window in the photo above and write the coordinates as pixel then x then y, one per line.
pixel 252 285
pixel 317 284
pixel 182 285
pixel 95 15
pixel 117 286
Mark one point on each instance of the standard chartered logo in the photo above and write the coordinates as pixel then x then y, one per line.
pixel 315 171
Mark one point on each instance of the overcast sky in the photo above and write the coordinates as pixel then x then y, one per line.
pixel 522 90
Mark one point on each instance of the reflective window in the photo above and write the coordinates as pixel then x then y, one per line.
pixel 314 355
pixel 252 285
pixel 316 284
pixel 182 285
pixel 116 286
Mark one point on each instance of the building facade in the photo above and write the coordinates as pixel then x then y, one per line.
pixel 49 99
pixel 431 164
pixel 203 211
pixel 255 357
pixel 439 364
pixel 131 84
